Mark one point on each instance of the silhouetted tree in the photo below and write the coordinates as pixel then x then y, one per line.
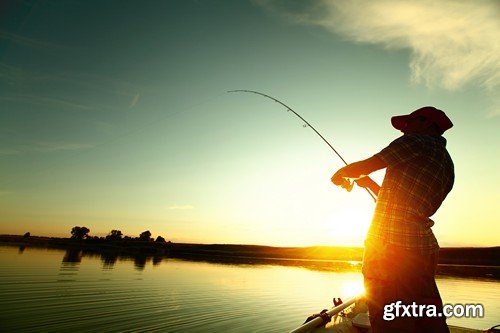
pixel 79 232
pixel 160 239
pixel 114 235
pixel 145 236
pixel 27 235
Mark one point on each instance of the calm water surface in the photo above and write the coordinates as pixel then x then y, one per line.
pixel 45 290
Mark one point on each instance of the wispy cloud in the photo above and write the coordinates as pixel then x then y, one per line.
pixel 25 41
pixel 44 101
pixel 57 146
pixel 9 151
pixel 453 43
pixel 180 207
pixel 11 74
pixel 84 80
pixel 135 100
pixel 35 80
pixel 44 147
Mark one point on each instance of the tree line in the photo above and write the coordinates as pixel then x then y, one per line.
pixel 81 233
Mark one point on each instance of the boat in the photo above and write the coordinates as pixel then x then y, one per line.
pixel 351 316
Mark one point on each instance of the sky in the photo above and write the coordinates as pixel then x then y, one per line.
pixel 115 115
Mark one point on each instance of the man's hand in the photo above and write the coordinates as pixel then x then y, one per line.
pixel 358 170
pixel 339 177
pixel 368 183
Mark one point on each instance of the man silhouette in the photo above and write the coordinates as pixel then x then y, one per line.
pixel 400 249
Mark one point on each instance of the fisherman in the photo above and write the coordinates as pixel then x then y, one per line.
pixel 401 251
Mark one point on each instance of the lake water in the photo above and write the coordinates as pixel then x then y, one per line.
pixel 46 290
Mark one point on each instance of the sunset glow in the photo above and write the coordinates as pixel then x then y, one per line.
pixel 125 123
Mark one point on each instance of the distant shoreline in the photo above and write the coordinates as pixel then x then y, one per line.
pixel 461 261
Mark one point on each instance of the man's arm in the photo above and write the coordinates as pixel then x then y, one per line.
pixel 369 183
pixel 358 170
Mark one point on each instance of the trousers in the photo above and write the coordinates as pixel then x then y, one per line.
pixel 393 274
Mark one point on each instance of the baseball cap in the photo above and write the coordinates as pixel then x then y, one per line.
pixel 435 115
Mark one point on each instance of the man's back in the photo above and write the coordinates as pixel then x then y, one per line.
pixel 419 176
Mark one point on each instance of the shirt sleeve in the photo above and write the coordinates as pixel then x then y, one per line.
pixel 402 150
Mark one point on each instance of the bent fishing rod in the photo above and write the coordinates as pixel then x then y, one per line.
pixel 307 124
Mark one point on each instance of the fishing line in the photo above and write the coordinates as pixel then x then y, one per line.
pixel 307 124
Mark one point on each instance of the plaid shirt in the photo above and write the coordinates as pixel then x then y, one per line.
pixel 419 175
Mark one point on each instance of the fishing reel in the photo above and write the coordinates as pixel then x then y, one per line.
pixel 347 184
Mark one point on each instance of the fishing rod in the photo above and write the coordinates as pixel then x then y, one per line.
pixel 307 326
pixel 349 186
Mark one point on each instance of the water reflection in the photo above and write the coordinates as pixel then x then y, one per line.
pixel 72 256
pixel 114 292
pixel 70 265
pixel 141 260
pixel 108 260
pixel 157 260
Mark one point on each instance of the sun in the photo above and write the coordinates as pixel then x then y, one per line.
pixel 347 226
pixel 352 288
